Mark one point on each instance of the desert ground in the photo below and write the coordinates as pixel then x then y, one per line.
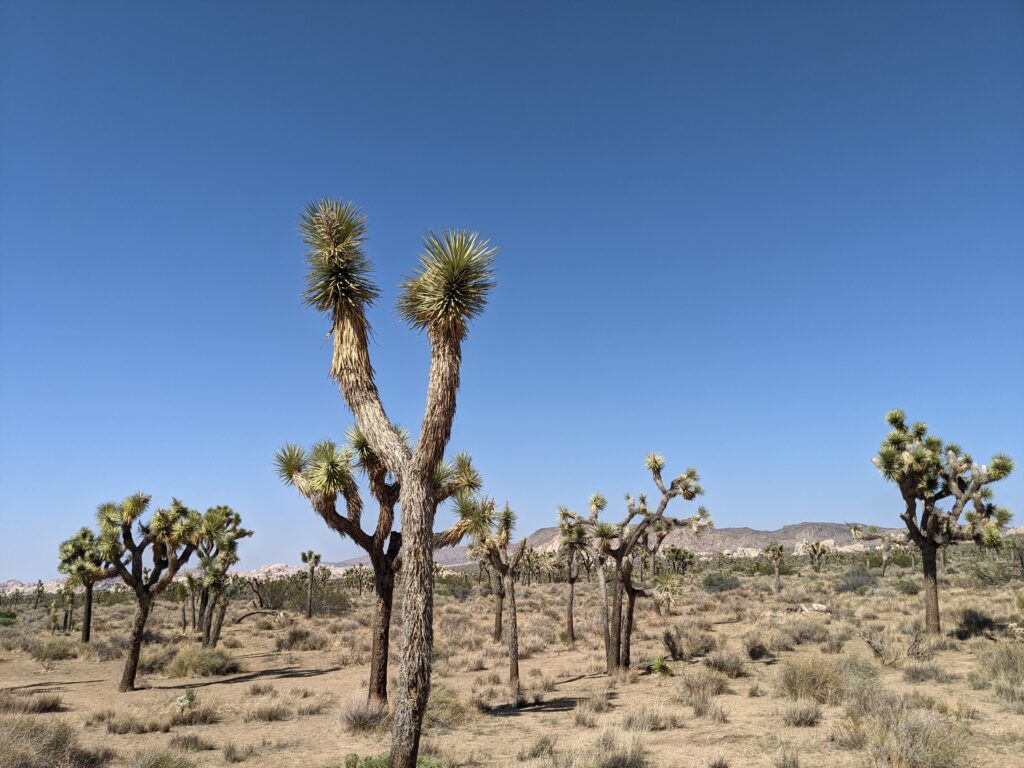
pixel 740 677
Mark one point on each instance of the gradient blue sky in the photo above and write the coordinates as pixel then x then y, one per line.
pixel 735 233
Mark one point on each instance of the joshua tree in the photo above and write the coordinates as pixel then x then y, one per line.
pixel 927 472
pixel 193 586
pixel 326 472
pixel 572 547
pixel 217 550
pixel 667 587
pixel 617 544
pixel 817 552
pixel 82 561
pixel 449 289
pixel 679 560
pixel 491 533
pixel 312 560
pixel 38 594
pixel 170 536
pixel 773 554
pixel 180 596
pixel 67 600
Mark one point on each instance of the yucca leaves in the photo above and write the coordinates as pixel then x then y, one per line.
pixel 451 286
pixel 337 267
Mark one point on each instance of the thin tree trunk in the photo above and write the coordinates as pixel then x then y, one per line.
pixel 211 606
pixel 184 618
pixel 627 628
pixel 498 587
pixel 87 614
pixel 615 630
pixel 218 621
pixel 384 585
pixel 778 581
pixel 192 598
pixel 513 637
pixel 602 592
pixel 309 596
pixel 931 589
pixel 131 664
pixel 204 601
pixel 570 630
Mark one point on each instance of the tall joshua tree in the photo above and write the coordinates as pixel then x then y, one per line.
pixel 927 472
pixel 325 473
pixel 82 561
pixel 312 560
pixel 217 550
pixel 618 543
pixel 572 547
pixel 491 533
pixel 817 552
pixel 169 536
pixel 448 290
pixel 774 554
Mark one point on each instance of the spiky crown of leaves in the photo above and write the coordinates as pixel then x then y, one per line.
pixel 167 527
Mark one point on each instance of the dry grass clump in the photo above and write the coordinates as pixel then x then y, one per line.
pixel 271 712
pixel 27 742
pixel 756 647
pixel 361 716
pixel 608 752
pixel 821 678
pixel 685 643
pixel 918 739
pixel 445 709
pixel 29 704
pixel 597 702
pixel 154 659
pixel 802 714
pixel 122 722
pixel 301 639
pixel 1002 667
pixel 236 754
pixel 204 662
pixel 542 747
pixel 262 689
pixel 52 649
pixel 650 718
pixel 161 760
pixel 926 671
pixel 189 742
pixel 729 663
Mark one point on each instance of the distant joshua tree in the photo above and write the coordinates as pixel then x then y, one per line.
pixel 217 550
pixel 312 560
pixel 572 548
pixel 449 289
pixel 679 560
pixel 928 471
pixel 170 537
pixel 82 561
pixel 817 552
pixel 774 553
pixel 617 545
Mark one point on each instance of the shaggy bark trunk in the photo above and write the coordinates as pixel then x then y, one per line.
pixel 87 614
pixel 184 618
pixel 211 609
pixel 498 587
pixel 602 592
pixel 627 628
pixel 885 563
pixel 192 598
pixel 570 630
pixel 931 589
pixel 204 602
pixel 615 630
pixel 417 620
pixel 218 622
pixel 131 664
pixel 513 637
pixel 384 585
pixel 778 581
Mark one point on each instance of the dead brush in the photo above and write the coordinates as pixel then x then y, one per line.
pixel 362 716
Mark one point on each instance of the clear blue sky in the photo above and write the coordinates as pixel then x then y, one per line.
pixel 735 233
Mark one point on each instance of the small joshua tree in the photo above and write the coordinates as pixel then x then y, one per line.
pixel 572 548
pixel 217 550
pixel 679 560
pixel 491 532
pixel 927 472
pixel 774 553
pixel 449 290
pixel 617 544
pixel 82 561
pixel 817 552
pixel 312 560
pixel 169 536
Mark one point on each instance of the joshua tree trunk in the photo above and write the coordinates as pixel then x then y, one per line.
pixel 602 593
pixel 570 630
pixel 498 587
pixel 513 636
pixel 216 599
pixel 87 613
pixel 131 665
pixel 778 581
pixel 627 628
pixel 931 588
pixel 417 615
pixel 615 630
pixel 192 598
pixel 309 596
pixel 184 618
pixel 204 602
pixel 217 622
pixel 384 585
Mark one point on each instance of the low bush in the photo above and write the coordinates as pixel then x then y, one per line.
pixel 161 760
pixel 858 579
pixel 802 714
pixel 301 639
pixel 717 581
pixel 189 742
pixel 30 704
pixel 729 663
pixel 271 712
pixel 27 742
pixel 203 662
pixel 360 716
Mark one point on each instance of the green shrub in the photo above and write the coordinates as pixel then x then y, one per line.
pixel 858 579
pixel 907 586
pixel 720 582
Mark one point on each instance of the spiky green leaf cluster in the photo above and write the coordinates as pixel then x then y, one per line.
pixel 338 269
pixel 451 286
pixel 81 557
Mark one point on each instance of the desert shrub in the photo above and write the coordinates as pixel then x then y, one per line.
pixel 717 581
pixel 52 649
pixel 833 643
pixel 8 618
pixel 918 739
pixel 360 716
pixel 650 718
pixel 659 666
pixel 1003 668
pixel 849 733
pixel 301 639
pixel 729 663
pixel 189 742
pixel 27 742
pixel 802 713
pixel 29 704
pixel 262 689
pixel 755 646
pixel 906 586
pixel 542 747
pixel 315 707
pixel 155 658
pixel 271 712
pixel 121 723
pixel 161 760
pixel 353 760
pixel 445 709
pixel 204 662
pixel 819 678
pixel 925 671
pixel 858 579
pixel 608 752
pixel 236 754
pixel 685 643
pixel 787 758
pixel 972 623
